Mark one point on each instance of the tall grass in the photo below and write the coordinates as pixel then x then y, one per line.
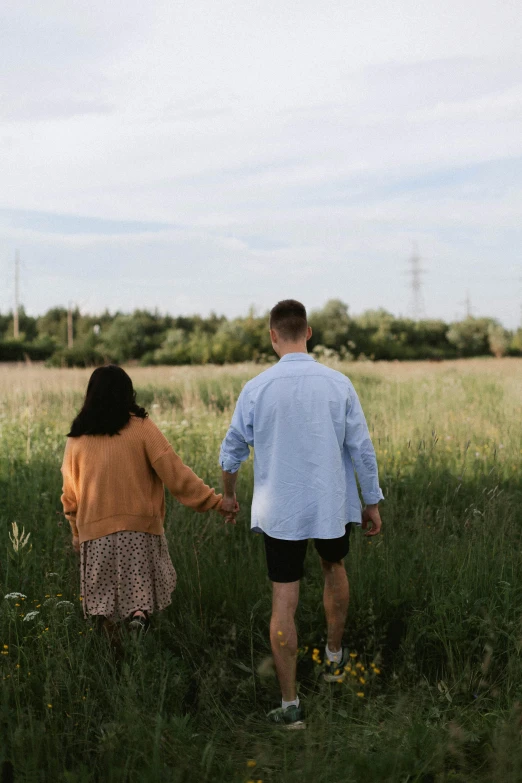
pixel 436 602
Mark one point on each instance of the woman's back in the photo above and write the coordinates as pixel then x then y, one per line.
pixel 115 482
pixel 115 466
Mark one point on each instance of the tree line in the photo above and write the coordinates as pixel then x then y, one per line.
pixel 152 338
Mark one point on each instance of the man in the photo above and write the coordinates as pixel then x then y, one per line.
pixel 309 432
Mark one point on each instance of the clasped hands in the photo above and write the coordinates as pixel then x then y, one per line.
pixel 229 509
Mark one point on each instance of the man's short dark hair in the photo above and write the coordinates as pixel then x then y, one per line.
pixel 289 320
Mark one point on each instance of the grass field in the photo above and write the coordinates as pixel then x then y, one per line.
pixel 436 601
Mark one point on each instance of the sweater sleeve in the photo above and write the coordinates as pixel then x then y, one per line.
pixel 69 501
pixel 179 479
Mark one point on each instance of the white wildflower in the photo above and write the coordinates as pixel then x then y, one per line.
pixel 15 595
pixel 63 603
pixel 52 573
pixel 30 616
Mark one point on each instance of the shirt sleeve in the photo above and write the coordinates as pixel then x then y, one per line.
pixel 240 435
pixel 179 479
pixel 360 448
pixel 69 501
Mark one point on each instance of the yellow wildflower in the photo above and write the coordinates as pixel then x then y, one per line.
pixel 251 763
pixel 360 694
pixel 353 655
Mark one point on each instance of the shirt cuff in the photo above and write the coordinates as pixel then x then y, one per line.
pixel 371 498
pixel 229 465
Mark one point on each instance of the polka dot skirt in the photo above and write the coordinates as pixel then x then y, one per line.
pixel 125 571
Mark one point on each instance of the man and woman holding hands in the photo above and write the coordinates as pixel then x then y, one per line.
pixel 310 438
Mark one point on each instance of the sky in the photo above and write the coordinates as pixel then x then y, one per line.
pixel 195 156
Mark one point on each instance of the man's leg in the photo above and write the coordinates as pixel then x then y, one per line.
pixel 283 635
pixel 336 597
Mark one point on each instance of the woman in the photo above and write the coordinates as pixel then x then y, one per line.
pixel 115 466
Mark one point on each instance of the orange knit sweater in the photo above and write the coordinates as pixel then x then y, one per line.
pixel 113 483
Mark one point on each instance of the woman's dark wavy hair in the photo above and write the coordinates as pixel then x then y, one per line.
pixel 109 402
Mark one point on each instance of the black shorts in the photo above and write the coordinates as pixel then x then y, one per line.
pixel 285 559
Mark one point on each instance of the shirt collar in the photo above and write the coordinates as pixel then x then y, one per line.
pixel 297 357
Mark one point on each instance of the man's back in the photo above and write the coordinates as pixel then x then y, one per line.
pixel 309 434
pixel 306 424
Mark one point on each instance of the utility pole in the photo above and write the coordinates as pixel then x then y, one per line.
pixel 417 301
pixel 16 321
pixel 520 327
pixel 70 334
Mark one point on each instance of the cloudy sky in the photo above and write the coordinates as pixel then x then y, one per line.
pixel 197 155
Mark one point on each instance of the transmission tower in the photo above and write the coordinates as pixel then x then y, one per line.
pixel 416 272
pixel 468 308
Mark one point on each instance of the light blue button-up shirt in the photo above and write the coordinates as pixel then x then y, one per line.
pixel 308 431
